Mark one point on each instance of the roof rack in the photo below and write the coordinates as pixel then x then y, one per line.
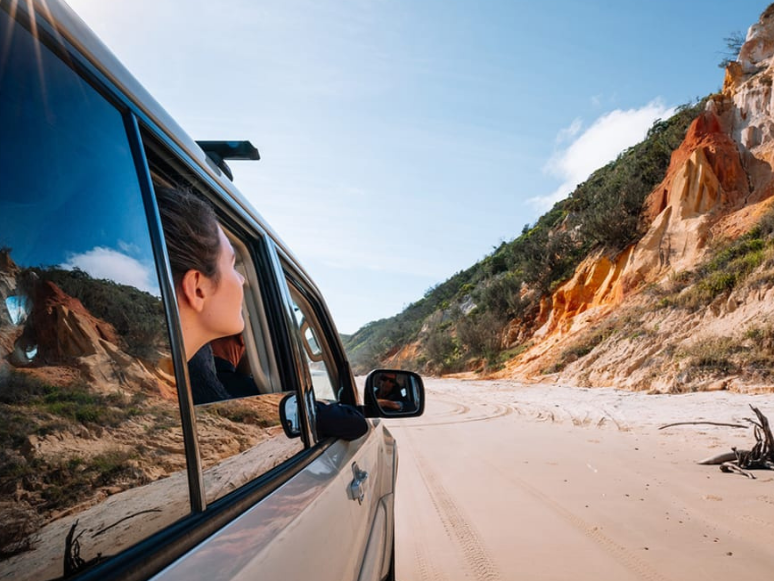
pixel 220 151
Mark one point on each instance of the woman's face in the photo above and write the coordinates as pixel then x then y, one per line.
pixel 222 314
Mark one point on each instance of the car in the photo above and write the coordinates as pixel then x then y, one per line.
pixel 116 461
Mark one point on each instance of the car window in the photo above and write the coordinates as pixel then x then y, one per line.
pixel 92 456
pixel 235 382
pixel 240 436
pixel 318 357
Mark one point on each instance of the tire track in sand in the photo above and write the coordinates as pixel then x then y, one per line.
pixel 465 412
pixel 424 565
pixel 457 526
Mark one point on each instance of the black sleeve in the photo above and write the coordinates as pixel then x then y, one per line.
pixel 339 421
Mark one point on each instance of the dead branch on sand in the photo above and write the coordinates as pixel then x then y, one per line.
pixel 760 457
pixel 703 423
pixel 719 459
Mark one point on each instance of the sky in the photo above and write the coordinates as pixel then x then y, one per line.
pixel 402 141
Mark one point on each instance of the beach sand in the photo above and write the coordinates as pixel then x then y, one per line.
pixel 504 481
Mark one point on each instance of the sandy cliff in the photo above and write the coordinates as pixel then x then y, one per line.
pixel 718 185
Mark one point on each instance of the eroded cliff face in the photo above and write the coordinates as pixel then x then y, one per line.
pixel 718 184
pixel 704 196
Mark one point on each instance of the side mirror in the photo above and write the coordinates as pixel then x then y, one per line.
pixel 392 393
pixel 289 417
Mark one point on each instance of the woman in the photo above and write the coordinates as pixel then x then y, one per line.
pixel 209 289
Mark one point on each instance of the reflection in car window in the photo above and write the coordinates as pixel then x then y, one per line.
pixel 91 447
pixel 320 369
pixel 238 426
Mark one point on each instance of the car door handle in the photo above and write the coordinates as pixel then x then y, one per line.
pixel 357 486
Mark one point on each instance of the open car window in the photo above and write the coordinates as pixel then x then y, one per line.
pixel 235 384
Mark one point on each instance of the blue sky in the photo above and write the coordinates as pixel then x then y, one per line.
pixel 402 141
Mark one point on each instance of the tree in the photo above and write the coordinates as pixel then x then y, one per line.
pixel 734 44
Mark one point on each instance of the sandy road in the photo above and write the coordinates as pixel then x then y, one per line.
pixel 499 482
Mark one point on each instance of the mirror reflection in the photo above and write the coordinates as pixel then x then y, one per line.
pixel 289 416
pixel 396 392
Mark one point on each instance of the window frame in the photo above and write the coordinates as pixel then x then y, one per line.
pixel 311 323
pixel 262 252
pixel 341 369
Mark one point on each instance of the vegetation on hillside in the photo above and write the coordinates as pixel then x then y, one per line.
pixel 460 322
pixel 137 316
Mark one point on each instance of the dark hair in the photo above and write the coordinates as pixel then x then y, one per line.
pixel 190 232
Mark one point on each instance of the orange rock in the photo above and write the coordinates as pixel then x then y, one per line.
pixel 732 79
pixel 705 181
pixel 62 326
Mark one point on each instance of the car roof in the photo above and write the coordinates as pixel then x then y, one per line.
pixel 68 26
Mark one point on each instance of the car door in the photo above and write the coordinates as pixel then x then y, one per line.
pixel 330 517
pixel 365 465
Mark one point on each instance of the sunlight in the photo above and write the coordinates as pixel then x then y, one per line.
pixel 8 37
pixel 38 55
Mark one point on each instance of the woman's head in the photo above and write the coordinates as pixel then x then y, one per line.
pixel 190 232
pixel 208 286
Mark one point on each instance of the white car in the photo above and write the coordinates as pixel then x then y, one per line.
pixel 116 462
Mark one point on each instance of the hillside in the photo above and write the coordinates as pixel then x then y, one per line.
pixel 657 273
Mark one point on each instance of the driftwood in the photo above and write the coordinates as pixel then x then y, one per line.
pixel 731 467
pixel 742 461
pixel 703 423
pixel 719 459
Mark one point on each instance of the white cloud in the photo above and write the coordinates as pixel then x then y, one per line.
pixel 598 145
pixel 128 248
pixel 569 132
pixel 110 264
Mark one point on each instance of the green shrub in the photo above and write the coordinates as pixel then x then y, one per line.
pixel 715 354
pixel 479 333
pixel 501 296
pixel 731 264
pixel 75 401
pixel 110 465
pixel 443 350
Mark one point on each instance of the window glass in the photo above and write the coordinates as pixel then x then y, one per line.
pixel 91 446
pixel 318 357
pixel 238 396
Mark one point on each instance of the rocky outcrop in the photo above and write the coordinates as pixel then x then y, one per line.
pixel 9 332
pixel 61 332
pixel 53 334
pixel 400 355
pixel 705 182
pixel 745 105
pixel 596 283
pixel 63 329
